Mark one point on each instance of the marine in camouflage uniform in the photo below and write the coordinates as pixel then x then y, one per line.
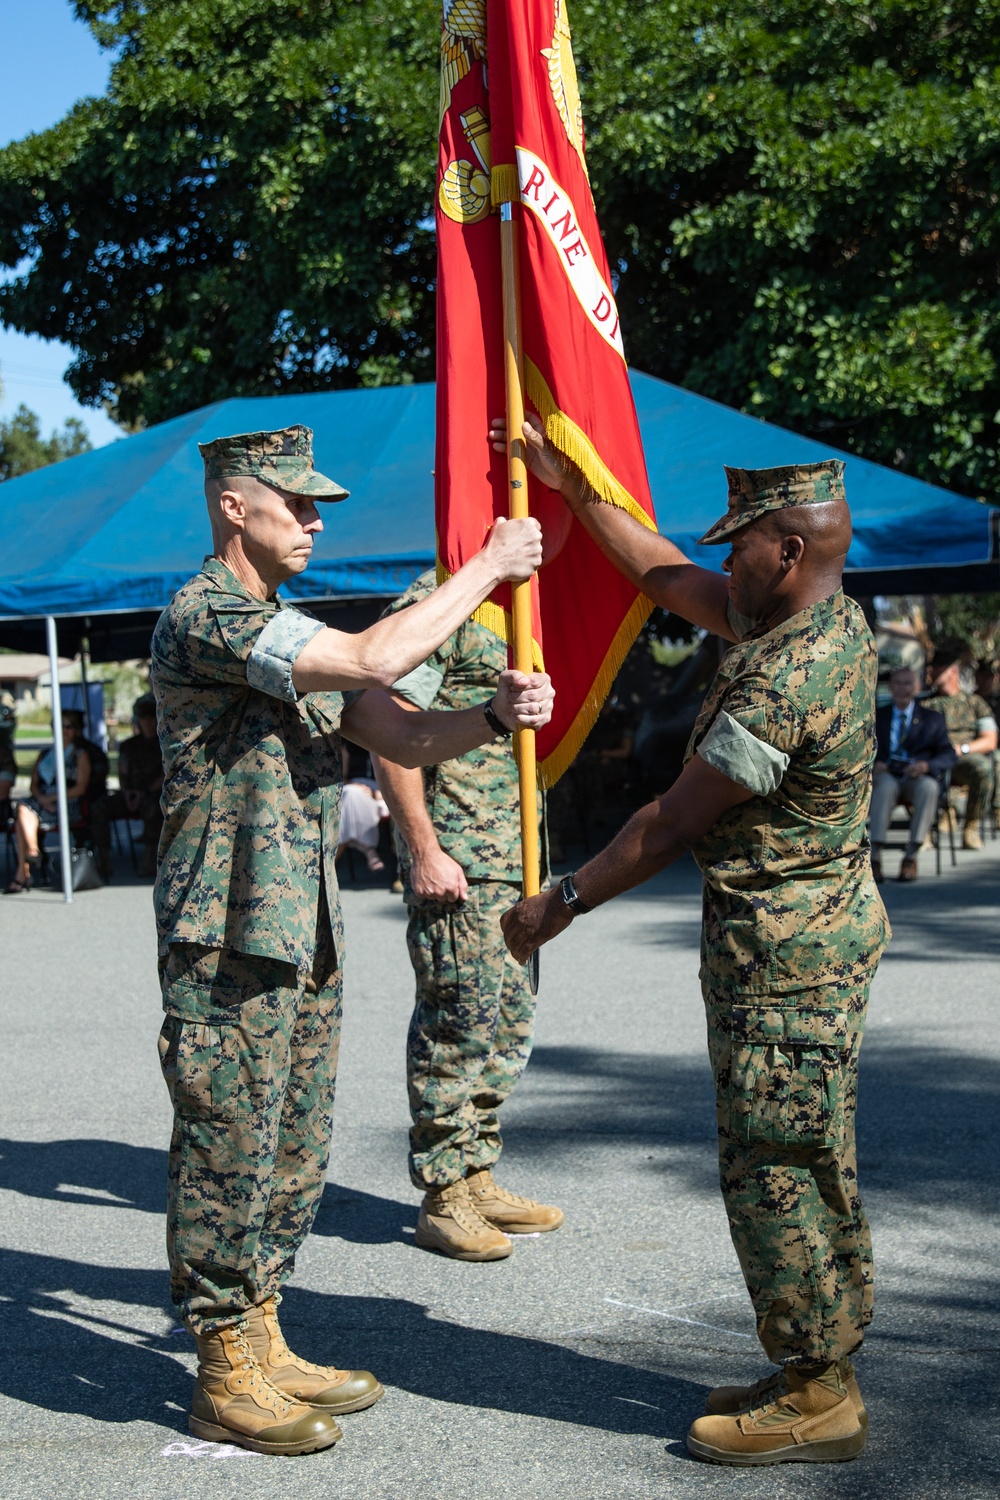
pixel 773 804
pixel 250 936
pixel 250 931
pixel 793 929
pixel 971 723
pixel 470 1034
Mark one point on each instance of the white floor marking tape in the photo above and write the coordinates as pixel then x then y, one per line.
pixel 655 1312
pixel 183 1449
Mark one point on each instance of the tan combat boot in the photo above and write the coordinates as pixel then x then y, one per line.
pixel 971 837
pixel 812 1420
pixel 323 1386
pixel 509 1211
pixel 452 1225
pixel 235 1403
pixel 729 1400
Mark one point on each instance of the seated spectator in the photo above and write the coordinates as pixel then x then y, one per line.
pixel 988 685
pixel 988 688
pixel 972 730
pixel 100 766
pixel 38 813
pixel 140 781
pixel 913 754
pixel 8 763
pixel 361 812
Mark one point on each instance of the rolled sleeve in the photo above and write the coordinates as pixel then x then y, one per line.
pixel 420 687
pixel 741 756
pixel 276 650
pixel 986 725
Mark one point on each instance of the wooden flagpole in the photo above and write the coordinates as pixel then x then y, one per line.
pixel 517 474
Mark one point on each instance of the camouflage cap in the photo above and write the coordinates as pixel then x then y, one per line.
pixel 754 492
pixel 283 459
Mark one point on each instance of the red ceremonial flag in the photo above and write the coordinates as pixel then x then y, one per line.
pixel 512 131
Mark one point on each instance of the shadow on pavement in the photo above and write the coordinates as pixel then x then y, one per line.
pixel 362 1218
pixel 643 1100
pixel 68 1353
pixel 937 921
pixel 668 1102
pixel 110 1173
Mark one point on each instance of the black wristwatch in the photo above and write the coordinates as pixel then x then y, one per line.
pixel 571 900
pixel 495 722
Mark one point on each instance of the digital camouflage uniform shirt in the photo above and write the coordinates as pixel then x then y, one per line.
pixel 252 775
pixel 966 715
pixel 793 921
pixel 472 800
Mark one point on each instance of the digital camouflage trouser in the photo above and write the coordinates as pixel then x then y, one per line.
pixel 249 1052
pixel 788 1169
pixel 976 773
pixel 470 1033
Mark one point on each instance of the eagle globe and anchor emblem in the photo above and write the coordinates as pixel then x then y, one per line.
pixel 465 189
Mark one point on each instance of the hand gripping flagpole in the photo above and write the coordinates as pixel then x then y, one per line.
pixel 517 474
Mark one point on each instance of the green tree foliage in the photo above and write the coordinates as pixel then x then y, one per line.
pixel 973 618
pixel 804 199
pixel 243 213
pixel 800 200
pixel 22 447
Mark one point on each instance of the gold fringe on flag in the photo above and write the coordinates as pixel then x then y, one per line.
pixel 505 186
pixel 497 620
pixel 569 747
pixel 574 443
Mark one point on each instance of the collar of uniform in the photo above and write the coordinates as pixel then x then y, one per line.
pixel 822 608
pixel 226 579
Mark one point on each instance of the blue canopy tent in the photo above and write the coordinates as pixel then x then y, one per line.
pixel 97 545
pixel 102 541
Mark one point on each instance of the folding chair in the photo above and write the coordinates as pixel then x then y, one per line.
pixel 943 815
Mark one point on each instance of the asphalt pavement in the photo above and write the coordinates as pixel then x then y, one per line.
pixel 572 1369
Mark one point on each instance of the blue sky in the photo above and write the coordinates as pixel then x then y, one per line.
pixel 48 61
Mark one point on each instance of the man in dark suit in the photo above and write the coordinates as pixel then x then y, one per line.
pixel 913 755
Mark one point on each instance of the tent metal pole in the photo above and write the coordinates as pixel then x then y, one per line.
pixel 85 685
pixel 57 737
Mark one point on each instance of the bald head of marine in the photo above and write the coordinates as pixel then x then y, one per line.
pixel 789 531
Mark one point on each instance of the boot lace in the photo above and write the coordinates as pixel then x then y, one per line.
pixel 251 1377
pixel 488 1188
pixel 464 1211
pixel 766 1394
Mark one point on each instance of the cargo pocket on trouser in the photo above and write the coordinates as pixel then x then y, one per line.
pixel 201 1067
pixel 219 1166
pixel 787 1094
